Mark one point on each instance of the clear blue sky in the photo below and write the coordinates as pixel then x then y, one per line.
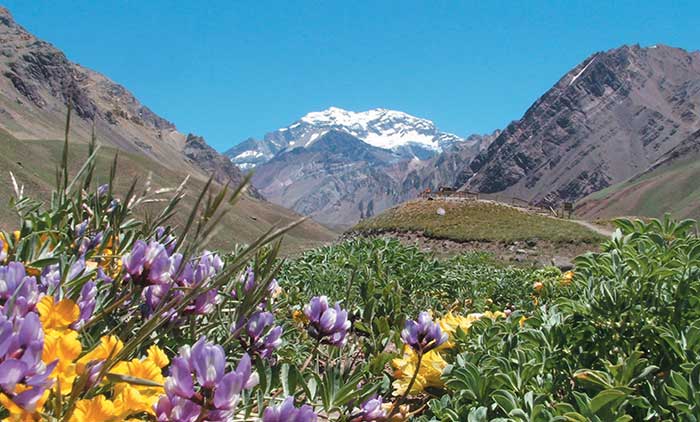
pixel 231 69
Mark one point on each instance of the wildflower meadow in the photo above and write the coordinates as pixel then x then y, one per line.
pixel 112 313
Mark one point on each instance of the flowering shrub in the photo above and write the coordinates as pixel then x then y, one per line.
pixel 106 317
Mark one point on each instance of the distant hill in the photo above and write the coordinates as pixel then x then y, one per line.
pixel 606 120
pixel 669 185
pixel 34 162
pixel 511 233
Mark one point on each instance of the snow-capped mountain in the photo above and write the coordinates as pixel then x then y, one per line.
pixel 402 133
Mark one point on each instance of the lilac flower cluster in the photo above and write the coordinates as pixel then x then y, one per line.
pixel 259 335
pixel 329 325
pixel 286 412
pixel 86 302
pixel 423 335
pixel 199 387
pixel 154 266
pixel 21 338
pixel 19 293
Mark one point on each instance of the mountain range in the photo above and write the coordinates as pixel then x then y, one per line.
pixel 609 119
pixel 340 166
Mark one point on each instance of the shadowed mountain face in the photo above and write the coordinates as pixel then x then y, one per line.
pixel 37 82
pixel 339 179
pixel 605 121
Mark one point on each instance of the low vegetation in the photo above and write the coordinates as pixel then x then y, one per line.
pixel 105 316
pixel 484 221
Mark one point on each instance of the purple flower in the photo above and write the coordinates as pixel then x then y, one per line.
pixel 86 303
pixel 208 361
pixel 176 409
pixel 372 410
pixel 76 269
pixel 219 390
pixel 326 324
pixel 166 239
pixel 19 293
pixel 81 228
pixel 286 412
pixel 50 278
pixel 147 262
pixel 103 276
pixel 21 346
pixel 423 335
pixel 102 190
pixel 113 206
pixel 258 335
pixel 88 244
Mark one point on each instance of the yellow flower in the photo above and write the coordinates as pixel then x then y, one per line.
pixel 522 321
pixel 130 401
pixel 133 398
pixel 140 368
pixel 451 322
pixel 17 414
pixel 108 347
pixel 429 372
pixel 537 286
pixel 494 315
pixel 566 278
pixel 158 356
pixel 110 262
pixel 97 409
pixel 64 346
pixel 5 244
pixel 299 317
pixel 57 316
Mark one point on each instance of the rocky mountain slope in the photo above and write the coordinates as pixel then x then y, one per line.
pixel 38 82
pixel 337 180
pixel 605 121
pixel 407 135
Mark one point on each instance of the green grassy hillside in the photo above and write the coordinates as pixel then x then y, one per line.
pixel 672 187
pixel 476 221
pixel 34 165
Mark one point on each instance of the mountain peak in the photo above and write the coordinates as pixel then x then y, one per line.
pixel 407 135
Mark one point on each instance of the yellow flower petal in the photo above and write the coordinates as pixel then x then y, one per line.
pixel 109 346
pixel 65 347
pixel 158 356
pixel 57 316
pixel 429 373
pixel 97 409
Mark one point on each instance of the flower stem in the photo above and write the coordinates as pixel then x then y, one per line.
pixel 405 394
pixel 311 356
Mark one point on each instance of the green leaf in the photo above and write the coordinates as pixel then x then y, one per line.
pixel 606 398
